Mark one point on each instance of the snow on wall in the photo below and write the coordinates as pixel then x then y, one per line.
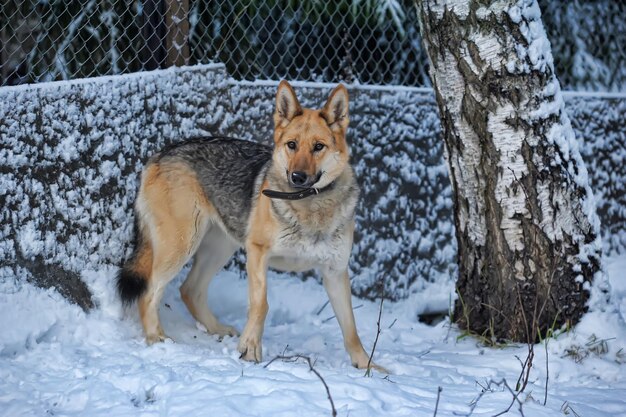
pixel 71 154
pixel 70 157
pixel 405 233
pixel 600 128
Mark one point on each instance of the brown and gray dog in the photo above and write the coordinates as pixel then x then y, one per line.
pixel 290 207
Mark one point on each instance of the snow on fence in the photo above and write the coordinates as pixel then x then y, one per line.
pixel 71 154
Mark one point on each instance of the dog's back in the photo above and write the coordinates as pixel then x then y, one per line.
pixel 184 189
pixel 226 169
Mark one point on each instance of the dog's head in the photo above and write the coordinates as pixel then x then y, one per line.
pixel 310 145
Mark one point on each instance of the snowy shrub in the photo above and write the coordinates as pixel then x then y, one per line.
pixel 587 39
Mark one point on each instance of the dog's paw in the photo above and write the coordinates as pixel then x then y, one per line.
pixel 221 330
pixel 362 362
pixel 250 349
pixel 373 366
pixel 156 338
pixel 378 368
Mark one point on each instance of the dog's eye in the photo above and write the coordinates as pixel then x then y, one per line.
pixel 318 147
pixel 291 144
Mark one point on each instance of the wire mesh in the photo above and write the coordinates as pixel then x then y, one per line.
pixel 372 42
pixel 355 41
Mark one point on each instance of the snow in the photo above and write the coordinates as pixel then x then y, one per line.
pixel 70 183
pixel 585 54
pixel 389 9
pixel 56 359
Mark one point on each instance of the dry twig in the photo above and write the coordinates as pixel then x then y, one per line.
pixel 545 396
pixel 294 358
pixel 332 317
pixel 439 389
pixel 488 388
pixel 566 409
pixel 369 362
pixel 322 308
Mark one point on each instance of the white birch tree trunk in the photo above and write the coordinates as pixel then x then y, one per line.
pixel 525 216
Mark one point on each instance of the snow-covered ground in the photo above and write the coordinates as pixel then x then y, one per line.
pixel 57 360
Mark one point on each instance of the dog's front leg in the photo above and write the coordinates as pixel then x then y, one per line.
pixel 256 266
pixel 337 284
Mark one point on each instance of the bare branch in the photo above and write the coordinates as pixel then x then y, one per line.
pixel 545 396
pixel 515 398
pixel 294 358
pixel 332 317
pixel 322 308
pixel 369 362
pixel 488 388
pixel 524 375
pixel 439 389
pixel 566 408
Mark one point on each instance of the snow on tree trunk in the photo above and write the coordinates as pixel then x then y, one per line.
pixel 525 216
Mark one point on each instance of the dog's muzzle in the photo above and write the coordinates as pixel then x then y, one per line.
pixel 300 179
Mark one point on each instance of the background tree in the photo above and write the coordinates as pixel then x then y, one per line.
pixel 587 38
pixel 525 216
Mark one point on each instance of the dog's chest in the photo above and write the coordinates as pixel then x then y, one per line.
pixel 317 246
pixel 305 247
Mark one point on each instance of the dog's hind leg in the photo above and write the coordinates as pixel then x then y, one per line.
pixel 213 253
pixel 175 211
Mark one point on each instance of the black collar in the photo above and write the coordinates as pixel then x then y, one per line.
pixel 298 195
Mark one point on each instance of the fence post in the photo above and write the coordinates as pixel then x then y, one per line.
pixel 152 53
pixel 177 21
pixel 3 69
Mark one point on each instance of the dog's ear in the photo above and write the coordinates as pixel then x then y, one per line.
pixel 287 105
pixel 335 111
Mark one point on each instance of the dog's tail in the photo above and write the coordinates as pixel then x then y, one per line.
pixel 133 277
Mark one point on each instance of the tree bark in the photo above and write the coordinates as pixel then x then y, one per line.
pixel 526 226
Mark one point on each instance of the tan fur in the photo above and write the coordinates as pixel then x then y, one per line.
pixel 307 127
pixel 177 220
pixel 175 213
pixel 142 264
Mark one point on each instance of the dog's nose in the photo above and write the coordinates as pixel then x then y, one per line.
pixel 298 177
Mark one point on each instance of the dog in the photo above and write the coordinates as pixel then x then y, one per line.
pixel 291 207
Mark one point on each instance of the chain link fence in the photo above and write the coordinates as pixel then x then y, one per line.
pixel 355 41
